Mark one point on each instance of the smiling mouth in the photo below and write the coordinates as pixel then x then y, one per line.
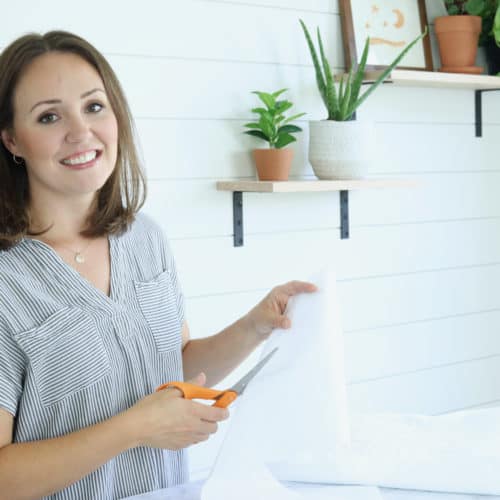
pixel 82 159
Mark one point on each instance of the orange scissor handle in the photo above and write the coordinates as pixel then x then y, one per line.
pixel 192 391
pixel 225 399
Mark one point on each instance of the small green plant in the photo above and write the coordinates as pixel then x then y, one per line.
pixel 341 103
pixel 457 7
pixel 273 126
pixel 488 10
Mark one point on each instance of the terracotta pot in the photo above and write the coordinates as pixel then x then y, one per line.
pixel 458 39
pixel 273 164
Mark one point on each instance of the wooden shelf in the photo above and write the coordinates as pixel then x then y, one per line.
pixel 309 185
pixel 438 79
pixel 238 187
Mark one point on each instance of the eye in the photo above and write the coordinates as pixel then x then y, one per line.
pixel 94 107
pixel 48 118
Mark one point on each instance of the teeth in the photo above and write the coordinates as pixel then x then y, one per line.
pixel 83 158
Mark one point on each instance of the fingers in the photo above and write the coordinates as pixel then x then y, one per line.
pixel 295 287
pixel 210 413
pixel 203 422
pixel 200 379
pixel 283 293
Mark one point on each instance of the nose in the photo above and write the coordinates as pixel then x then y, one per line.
pixel 78 129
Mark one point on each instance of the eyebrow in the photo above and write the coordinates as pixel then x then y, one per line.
pixel 58 101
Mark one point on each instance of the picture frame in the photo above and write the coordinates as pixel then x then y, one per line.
pixel 391 25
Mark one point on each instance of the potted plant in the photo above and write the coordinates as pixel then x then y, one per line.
pixel 489 38
pixel 339 147
pixel 273 163
pixel 458 34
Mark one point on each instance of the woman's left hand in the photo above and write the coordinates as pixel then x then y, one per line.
pixel 269 313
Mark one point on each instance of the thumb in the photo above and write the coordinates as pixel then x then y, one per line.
pixel 200 379
pixel 284 322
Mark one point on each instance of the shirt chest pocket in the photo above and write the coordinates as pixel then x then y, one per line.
pixel 65 354
pixel 158 302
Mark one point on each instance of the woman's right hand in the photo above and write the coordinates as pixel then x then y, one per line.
pixel 165 419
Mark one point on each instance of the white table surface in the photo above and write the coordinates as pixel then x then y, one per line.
pixel 191 491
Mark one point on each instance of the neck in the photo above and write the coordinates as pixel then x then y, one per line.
pixel 65 220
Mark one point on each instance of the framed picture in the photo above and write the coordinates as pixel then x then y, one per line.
pixel 391 26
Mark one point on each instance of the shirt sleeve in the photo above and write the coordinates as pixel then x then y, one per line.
pixel 12 369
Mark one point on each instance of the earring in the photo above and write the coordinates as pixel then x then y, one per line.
pixel 17 160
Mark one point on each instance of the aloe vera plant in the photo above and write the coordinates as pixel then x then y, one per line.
pixel 342 102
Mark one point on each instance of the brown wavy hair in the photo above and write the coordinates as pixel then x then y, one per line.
pixel 123 194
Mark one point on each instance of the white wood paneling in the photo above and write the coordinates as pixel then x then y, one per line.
pixel 415 296
pixel 267 259
pixel 490 404
pixel 190 29
pixel 432 391
pixel 229 84
pixel 323 6
pixel 169 152
pixel 420 345
pixel 463 195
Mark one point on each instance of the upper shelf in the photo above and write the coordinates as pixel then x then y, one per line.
pixel 437 79
pixel 309 185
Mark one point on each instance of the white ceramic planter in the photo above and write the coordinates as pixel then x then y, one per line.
pixel 341 150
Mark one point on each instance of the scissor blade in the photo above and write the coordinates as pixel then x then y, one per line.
pixel 240 386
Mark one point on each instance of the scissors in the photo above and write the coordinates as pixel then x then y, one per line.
pixel 222 398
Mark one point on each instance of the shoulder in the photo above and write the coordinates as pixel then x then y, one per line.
pixel 145 226
pixel 146 229
pixel 15 280
pixel 11 262
pixel 146 238
pixel 145 221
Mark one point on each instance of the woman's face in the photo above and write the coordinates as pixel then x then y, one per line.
pixel 64 127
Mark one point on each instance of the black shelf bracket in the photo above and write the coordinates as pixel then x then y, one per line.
pixel 238 217
pixel 344 215
pixel 478 102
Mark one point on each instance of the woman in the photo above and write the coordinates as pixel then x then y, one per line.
pixel 91 312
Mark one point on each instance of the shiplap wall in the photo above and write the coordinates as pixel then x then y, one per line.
pixel 419 279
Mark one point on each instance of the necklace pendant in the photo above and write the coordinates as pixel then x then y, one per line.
pixel 79 258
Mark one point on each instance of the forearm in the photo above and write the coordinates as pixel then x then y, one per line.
pixel 32 470
pixel 219 354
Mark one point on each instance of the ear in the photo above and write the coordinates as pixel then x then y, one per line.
pixel 10 142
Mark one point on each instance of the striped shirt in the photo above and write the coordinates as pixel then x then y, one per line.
pixel 70 356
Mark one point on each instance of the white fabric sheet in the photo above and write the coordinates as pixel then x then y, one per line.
pixel 277 416
pixel 294 418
